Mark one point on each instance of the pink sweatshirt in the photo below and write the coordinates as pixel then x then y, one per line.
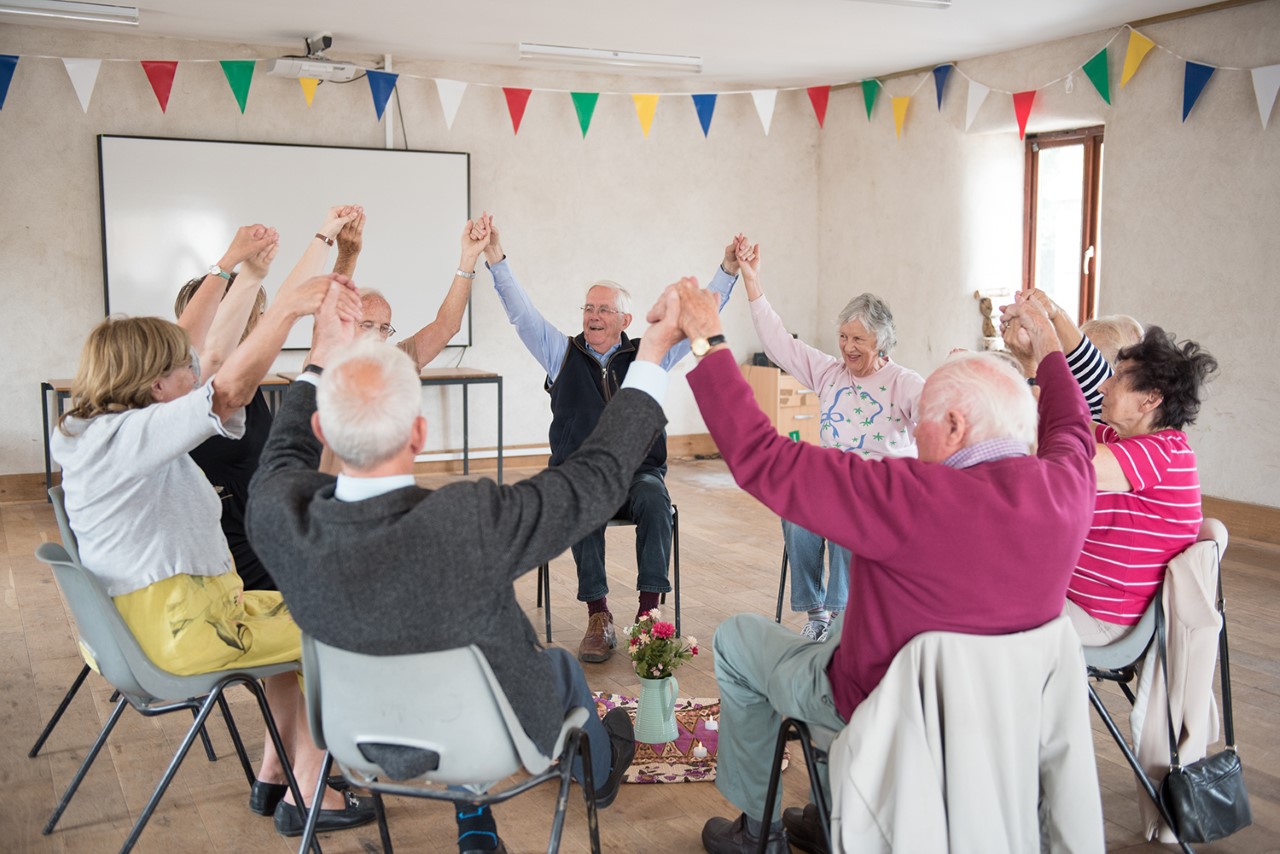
pixel 983 550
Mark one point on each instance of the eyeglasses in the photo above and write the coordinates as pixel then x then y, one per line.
pixel 386 330
pixel 602 310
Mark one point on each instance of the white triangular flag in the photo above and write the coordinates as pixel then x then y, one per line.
pixel 450 92
pixel 765 100
pixel 977 94
pixel 1266 82
pixel 83 74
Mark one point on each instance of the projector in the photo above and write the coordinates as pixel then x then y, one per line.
pixel 320 69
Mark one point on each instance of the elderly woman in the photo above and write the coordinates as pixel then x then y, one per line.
pixel 1148 504
pixel 869 406
pixel 147 519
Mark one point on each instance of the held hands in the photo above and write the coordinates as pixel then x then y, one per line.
pixel 249 240
pixel 1027 330
pixel 307 297
pixel 335 326
pixel 749 262
pixel 259 263
pixel 476 235
pixel 337 217
pixel 730 263
pixel 351 235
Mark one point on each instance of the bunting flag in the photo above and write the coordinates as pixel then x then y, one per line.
pixel 1193 82
pixel 1096 70
pixel 765 99
pixel 1139 47
pixel 161 76
pixel 870 89
pixel 517 100
pixel 239 73
pixel 584 103
pixel 83 74
pixel 1022 102
pixel 646 106
pixel 818 97
pixel 1266 82
pixel 977 94
pixel 706 107
pixel 8 62
pixel 450 92
pixel 381 84
pixel 940 75
pixel 309 85
pixel 900 105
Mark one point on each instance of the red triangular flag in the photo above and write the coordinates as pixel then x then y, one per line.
pixel 818 96
pixel 517 100
pixel 1022 102
pixel 161 76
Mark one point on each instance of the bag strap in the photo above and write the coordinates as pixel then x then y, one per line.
pixel 1162 654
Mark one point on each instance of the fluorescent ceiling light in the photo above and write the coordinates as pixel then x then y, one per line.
pixel 923 4
pixel 597 56
pixel 74 11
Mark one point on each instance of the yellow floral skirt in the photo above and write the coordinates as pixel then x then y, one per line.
pixel 189 624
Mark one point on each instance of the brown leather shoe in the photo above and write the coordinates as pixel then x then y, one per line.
pixel 598 643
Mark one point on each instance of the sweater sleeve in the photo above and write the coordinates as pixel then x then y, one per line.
pixel 1090 370
pixel 797 358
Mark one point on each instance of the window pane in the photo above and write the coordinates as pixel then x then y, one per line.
pixel 1058 223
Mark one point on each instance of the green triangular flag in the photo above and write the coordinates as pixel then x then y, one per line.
pixel 870 88
pixel 1096 69
pixel 239 75
pixel 585 104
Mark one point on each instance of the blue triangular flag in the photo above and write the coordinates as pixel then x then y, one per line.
pixel 940 75
pixel 1193 84
pixel 706 107
pixel 8 62
pixel 380 85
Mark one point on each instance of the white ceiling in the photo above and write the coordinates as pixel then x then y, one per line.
pixel 763 42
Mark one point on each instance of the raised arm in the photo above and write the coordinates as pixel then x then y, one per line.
pixel 797 358
pixel 228 327
pixel 350 241
pixel 198 316
pixel 722 282
pixel 546 343
pixel 313 257
pixel 436 335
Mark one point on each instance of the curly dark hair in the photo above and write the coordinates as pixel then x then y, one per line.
pixel 1177 372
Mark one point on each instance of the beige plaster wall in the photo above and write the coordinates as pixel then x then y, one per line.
pixel 1190 214
pixel 615 205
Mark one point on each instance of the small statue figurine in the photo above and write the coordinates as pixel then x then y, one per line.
pixel 988 315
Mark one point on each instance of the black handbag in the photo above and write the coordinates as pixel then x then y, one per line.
pixel 1207 799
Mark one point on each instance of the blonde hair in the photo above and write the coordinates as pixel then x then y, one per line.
pixel 187 291
pixel 1112 333
pixel 122 358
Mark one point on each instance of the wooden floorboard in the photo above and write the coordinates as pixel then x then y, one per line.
pixel 730 556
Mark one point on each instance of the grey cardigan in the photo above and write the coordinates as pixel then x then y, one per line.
pixel 416 570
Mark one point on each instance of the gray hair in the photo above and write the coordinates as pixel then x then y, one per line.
pixel 368 399
pixel 988 391
pixel 621 296
pixel 874 314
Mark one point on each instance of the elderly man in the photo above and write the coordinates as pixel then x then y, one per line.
pixel 583 373
pixel 979 535
pixel 372 563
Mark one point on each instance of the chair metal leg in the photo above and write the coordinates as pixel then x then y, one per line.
pixel 384 832
pixel 235 739
pixel 313 814
pixel 84 766
pixel 782 585
pixel 1138 771
pixel 811 759
pixel 675 561
pixel 544 594
pixel 577 743
pixel 204 739
pixel 775 778
pixel 57 715
pixel 816 793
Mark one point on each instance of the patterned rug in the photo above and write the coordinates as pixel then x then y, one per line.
pixel 691 758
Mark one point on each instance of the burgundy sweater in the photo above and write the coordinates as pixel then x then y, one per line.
pixel 983 550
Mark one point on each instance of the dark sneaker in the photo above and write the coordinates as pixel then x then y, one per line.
pixel 598 643
pixel 804 829
pixel 622 741
pixel 721 836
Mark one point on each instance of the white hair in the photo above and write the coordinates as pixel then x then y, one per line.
pixel 621 296
pixel 1112 333
pixel 368 399
pixel 988 391
pixel 875 315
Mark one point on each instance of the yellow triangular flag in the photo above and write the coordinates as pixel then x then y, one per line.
pixel 900 113
pixel 1139 46
pixel 309 85
pixel 646 106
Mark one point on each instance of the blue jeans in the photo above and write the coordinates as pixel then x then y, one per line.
pixel 649 506
pixel 804 550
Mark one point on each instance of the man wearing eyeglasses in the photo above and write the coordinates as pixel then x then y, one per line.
pixel 583 372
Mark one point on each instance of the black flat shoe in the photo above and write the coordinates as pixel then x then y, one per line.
pixel 263 797
pixel 291 821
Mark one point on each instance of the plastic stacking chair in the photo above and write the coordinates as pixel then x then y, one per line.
pixel 143 685
pixel 1118 662
pixel 544 571
pixel 815 743
pixel 410 724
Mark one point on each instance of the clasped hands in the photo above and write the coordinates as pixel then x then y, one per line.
pixel 683 310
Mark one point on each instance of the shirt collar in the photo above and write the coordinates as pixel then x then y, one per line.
pixel 351 488
pixel 985 452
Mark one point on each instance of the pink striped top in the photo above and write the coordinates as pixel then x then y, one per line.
pixel 1135 534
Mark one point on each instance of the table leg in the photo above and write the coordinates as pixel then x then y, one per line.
pixel 466 432
pixel 45 388
pixel 499 429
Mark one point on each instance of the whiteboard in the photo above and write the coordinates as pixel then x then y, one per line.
pixel 171 206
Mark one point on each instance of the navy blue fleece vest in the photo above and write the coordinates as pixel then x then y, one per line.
pixel 579 394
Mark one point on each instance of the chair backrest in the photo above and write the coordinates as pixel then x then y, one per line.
pixel 435 716
pixel 69 541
